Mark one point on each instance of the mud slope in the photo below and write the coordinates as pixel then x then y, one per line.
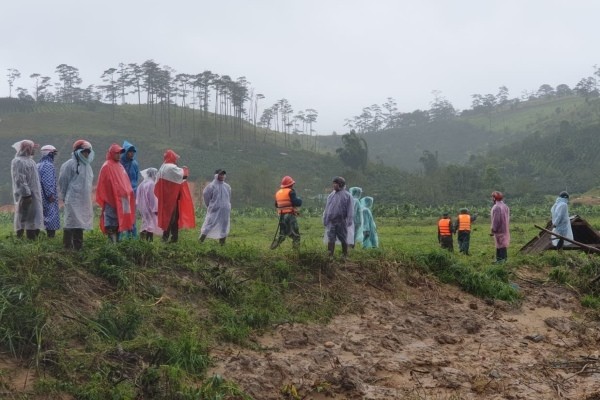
pixel 424 340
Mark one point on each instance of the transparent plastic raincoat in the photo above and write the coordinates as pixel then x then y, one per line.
pixel 27 191
pixel 217 198
pixel 371 239
pixel 75 181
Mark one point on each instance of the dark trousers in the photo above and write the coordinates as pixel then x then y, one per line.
pixel 447 243
pixel 173 228
pixel 73 238
pixel 501 254
pixel 463 238
pixel 31 234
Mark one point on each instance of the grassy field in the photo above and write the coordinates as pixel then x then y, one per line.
pixel 138 319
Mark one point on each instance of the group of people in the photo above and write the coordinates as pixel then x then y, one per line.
pixel 164 201
pixel 163 198
pixel 347 218
pixel 499 230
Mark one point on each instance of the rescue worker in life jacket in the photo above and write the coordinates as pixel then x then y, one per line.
pixel 462 226
pixel 287 202
pixel 445 232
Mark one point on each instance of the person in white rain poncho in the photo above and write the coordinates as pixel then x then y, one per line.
pixel 561 221
pixel 27 191
pixel 217 198
pixel 147 205
pixel 75 189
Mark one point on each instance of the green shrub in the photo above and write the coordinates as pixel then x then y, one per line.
pixel 120 322
pixel 591 301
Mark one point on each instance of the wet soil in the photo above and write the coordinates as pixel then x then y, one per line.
pixel 424 340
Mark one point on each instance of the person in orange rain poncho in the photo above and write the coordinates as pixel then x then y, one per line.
pixel 114 195
pixel 175 204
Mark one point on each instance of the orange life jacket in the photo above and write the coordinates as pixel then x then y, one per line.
pixel 284 203
pixel 444 227
pixel 464 222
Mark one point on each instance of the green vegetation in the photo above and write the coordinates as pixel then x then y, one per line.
pixel 139 319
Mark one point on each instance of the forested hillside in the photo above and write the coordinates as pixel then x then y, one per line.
pixel 529 150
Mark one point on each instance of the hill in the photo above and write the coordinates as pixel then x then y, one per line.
pixel 456 140
pixel 529 150
pixel 255 160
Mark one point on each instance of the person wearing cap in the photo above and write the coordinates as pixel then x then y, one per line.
pixel 370 238
pixel 47 172
pixel 217 199
pixel 75 181
pixel 338 216
pixel 287 203
pixel 561 222
pixel 114 195
pixel 462 226
pixel 175 204
pixel 129 162
pixel 27 191
pixel 358 233
pixel 500 220
pixel 445 232
pixel 147 204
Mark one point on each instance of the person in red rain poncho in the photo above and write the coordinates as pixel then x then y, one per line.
pixel 115 195
pixel 175 204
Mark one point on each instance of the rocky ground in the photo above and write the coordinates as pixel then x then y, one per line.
pixel 423 340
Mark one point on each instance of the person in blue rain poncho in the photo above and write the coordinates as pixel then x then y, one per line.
pixel 27 191
pixel 129 162
pixel 356 192
pixel 48 181
pixel 561 222
pixel 217 198
pixel 75 189
pixel 371 239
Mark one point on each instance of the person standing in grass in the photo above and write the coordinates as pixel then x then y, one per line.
pixel 338 216
pixel 500 216
pixel 75 189
pixel 462 226
pixel 217 198
pixel 175 204
pixel 445 238
pixel 147 204
pixel 115 196
pixel 561 222
pixel 356 192
pixel 27 191
pixel 130 164
pixel 287 203
pixel 47 172
pixel 370 238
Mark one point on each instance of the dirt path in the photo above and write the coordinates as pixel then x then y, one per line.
pixel 429 341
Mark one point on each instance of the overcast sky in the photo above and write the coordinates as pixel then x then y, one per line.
pixel 336 56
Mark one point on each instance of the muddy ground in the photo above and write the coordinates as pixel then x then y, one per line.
pixel 424 340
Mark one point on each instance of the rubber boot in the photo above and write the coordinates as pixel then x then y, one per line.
pixel 77 239
pixel 20 233
pixel 50 233
pixel 222 241
pixel 68 239
pixel 330 249
pixel 344 251
pixel 202 238
pixel 32 234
